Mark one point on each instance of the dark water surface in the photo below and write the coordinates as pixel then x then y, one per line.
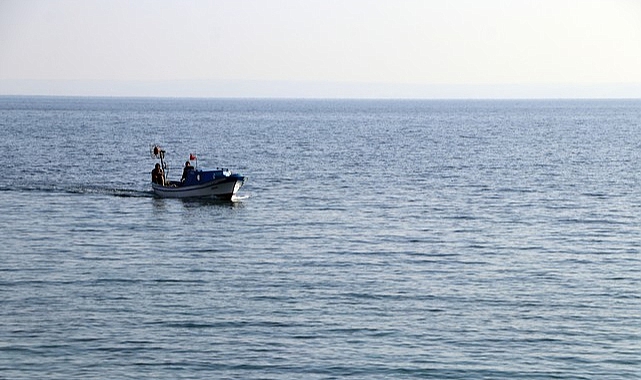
pixel 373 240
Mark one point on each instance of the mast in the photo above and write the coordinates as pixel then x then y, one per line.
pixel 159 153
pixel 163 165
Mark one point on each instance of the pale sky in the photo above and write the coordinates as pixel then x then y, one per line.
pixel 321 48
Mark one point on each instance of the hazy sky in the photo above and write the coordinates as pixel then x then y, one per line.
pixel 324 48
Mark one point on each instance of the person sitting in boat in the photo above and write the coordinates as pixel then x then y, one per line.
pixel 157 175
pixel 186 171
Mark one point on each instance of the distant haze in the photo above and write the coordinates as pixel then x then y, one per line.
pixel 322 49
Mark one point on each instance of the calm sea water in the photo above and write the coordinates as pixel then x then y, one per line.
pixel 373 240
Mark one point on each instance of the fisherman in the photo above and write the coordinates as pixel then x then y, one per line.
pixel 157 175
pixel 186 171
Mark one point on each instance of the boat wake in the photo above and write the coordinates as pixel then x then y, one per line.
pixel 239 198
pixel 122 192
pixel 128 193
pixel 90 190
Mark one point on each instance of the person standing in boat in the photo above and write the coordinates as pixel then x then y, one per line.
pixel 157 175
pixel 186 171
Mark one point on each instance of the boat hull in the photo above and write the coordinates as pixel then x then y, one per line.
pixel 222 188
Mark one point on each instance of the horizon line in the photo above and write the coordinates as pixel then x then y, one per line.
pixel 288 89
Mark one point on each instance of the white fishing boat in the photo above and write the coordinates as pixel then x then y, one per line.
pixel 195 183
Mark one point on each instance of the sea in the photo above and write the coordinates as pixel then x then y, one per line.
pixel 373 239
